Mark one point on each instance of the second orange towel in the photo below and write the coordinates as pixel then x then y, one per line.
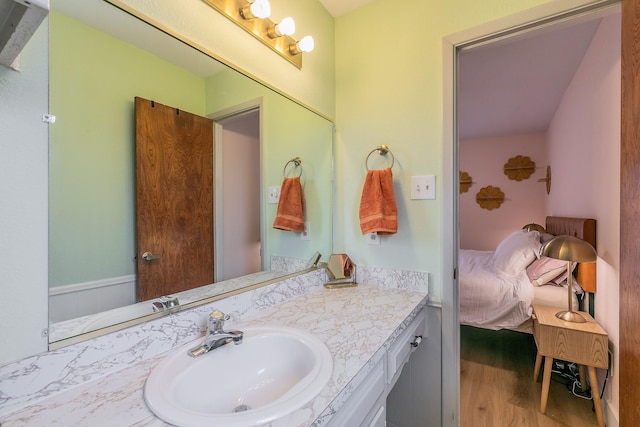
pixel 290 214
pixel 378 211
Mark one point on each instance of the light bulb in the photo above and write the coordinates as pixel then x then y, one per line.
pixel 306 44
pixel 257 9
pixel 261 9
pixel 286 27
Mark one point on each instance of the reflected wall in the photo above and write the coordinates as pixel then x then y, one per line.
pixel 94 79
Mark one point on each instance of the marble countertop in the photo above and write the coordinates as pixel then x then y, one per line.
pixel 356 324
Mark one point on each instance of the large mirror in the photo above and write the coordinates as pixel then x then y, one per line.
pixel 101 58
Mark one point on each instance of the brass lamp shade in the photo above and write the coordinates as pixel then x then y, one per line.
pixel 570 249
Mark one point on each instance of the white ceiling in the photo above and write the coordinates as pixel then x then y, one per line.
pixel 515 86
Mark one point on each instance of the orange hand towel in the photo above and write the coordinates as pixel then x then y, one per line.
pixel 378 211
pixel 290 214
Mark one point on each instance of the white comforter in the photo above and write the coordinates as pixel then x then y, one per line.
pixel 491 299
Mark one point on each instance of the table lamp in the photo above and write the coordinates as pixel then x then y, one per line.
pixel 569 249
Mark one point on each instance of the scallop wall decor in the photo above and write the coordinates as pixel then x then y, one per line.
pixel 465 182
pixel 547 179
pixel 490 197
pixel 519 168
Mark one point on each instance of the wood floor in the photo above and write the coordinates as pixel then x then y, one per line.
pixel 497 387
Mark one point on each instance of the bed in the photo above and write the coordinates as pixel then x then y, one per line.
pixel 498 288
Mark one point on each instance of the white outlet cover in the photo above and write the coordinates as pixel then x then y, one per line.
pixel 423 187
pixel 306 234
pixel 373 239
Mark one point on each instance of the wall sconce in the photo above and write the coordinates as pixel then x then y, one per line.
pixel 252 16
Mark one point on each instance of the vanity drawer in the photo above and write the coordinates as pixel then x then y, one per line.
pixel 402 348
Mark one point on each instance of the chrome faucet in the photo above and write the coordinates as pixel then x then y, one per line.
pixel 165 303
pixel 216 336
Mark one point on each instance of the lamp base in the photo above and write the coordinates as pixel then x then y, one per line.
pixel 570 316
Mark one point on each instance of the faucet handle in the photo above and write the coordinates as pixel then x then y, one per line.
pixel 216 320
pixel 218 315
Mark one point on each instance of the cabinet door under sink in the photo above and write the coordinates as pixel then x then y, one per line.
pixel 358 409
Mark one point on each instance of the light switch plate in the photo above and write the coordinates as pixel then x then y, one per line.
pixel 423 187
pixel 274 195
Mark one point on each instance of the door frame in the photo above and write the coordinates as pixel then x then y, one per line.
pixel 536 17
pixel 218 229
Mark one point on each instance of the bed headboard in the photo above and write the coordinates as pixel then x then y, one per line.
pixel 582 228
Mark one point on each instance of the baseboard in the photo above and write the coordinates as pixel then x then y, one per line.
pixel 610 415
pixel 93 284
pixel 434 302
pixel 81 299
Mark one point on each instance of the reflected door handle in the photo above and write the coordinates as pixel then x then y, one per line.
pixel 148 256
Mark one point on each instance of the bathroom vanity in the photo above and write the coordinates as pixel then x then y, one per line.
pixel 370 331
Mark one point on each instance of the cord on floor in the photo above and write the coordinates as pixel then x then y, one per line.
pixel 570 373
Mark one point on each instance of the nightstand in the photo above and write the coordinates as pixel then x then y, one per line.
pixel 583 343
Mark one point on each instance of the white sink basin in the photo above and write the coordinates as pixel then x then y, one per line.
pixel 273 372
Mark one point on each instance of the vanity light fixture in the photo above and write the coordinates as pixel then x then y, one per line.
pixel 286 27
pixel 253 17
pixel 256 9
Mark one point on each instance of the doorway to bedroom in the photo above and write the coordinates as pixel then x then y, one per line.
pixel 535 110
pixel 239 228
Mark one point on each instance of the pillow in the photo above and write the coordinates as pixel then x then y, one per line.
pixel 545 237
pixel 542 271
pixel 516 252
pixel 559 281
pixel 548 271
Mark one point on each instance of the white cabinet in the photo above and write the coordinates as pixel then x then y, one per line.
pixel 402 348
pixel 379 418
pixel 364 398
pixel 367 405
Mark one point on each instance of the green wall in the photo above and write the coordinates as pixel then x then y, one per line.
pixel 389 91
pixel 314 84
pixel 93 81
pixel 288 131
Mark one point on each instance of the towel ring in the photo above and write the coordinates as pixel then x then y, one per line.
pixel 382 150
pixel 298 163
